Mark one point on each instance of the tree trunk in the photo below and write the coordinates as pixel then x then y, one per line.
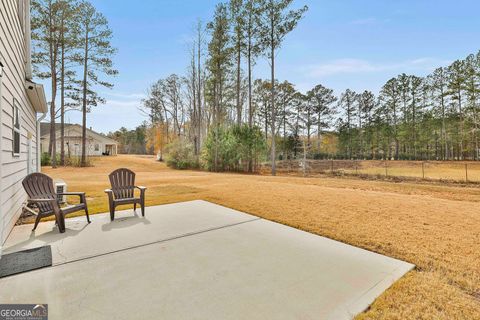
pixel 84 105
pixel 360 132
pixel 444 129
pixel 461 155
pixel 272 44
pixel 250 111
pixel 199 91
pixel 319 133
pixel 414 131
pixel 395 130
pixel 62 103
pixel 53 140
pixel 239 104
pixel 53 68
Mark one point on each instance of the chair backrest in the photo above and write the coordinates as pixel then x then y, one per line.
pixel 123 183
pixel 40 186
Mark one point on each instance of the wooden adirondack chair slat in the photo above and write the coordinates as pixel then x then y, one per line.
pixel 41 193
pixel 122 191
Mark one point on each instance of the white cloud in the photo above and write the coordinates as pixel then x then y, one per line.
pixel 358 66
pixel 341 66
pixel 124 95
pixel 120 104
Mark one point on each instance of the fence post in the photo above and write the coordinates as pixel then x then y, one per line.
pixel 423 169
pixel 466 172
pixel 386 169
pixel 331 167
pixel 356 167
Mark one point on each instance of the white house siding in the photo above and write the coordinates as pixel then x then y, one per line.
pixel 14 168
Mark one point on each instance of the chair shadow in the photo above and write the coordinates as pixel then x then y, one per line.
pixel 125 222
pixel 46 238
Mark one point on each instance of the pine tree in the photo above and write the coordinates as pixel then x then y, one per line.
pixel 46 25
pixel 237 17
pixel 69 43
pixel 251 49
pixel 389 103
pixel 366 105
pixel 347 104
pixel 438 81
pixel 274 23
pixel 416 84
pixel 456 86
pixel 95 58
pixel 323 101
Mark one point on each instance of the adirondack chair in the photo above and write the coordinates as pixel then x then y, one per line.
pixel 122 191
pixel 41 193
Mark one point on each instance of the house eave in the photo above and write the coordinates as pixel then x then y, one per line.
pixel 36 95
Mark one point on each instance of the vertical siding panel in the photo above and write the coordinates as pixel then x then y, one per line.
pixel 13 169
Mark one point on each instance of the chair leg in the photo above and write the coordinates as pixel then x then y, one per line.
pixel 86 213
pixel 37 220
pixel 142 204
pixel 134 206
pixel 60 222
pixel 112 212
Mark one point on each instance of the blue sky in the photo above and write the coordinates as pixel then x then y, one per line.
pixel 340 44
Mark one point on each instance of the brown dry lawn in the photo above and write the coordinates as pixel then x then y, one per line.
pixel 444 170
pixel 436 227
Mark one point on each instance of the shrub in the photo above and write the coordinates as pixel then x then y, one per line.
pixel 233 148
pixel 76 161
pixel 181 155
pixel 45 159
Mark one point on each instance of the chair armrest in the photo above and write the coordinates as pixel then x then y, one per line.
pixel 81 195
pixel 53 203
pixel 41 200
pixel 141 187
pixel 71 193
pixel 109 193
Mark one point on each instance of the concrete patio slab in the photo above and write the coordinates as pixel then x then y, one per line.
pixel 235 267
pixel 128 230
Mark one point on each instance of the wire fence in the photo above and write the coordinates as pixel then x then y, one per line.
pixel 458 171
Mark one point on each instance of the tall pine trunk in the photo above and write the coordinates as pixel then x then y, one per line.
pixel 84 106
pixel 199 93
pixel 53 67
pixel 53 140
pixel 62 103
pixel 239 104
pixel 272 43
pixel 250 111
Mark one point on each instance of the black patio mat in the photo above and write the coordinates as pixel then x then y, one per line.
pixel 26 260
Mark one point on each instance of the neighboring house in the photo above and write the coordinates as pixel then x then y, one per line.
pixel 97 144
pixel 20 101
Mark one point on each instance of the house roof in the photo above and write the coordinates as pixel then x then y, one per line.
pixel 45 129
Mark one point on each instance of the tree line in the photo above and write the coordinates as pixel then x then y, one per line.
pixel 214 105
pixel 435 117
pixel 133 141
pixel 432 117
pixel 72 49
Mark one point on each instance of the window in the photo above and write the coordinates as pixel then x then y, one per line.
pixel 97 147
pixel 16 129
